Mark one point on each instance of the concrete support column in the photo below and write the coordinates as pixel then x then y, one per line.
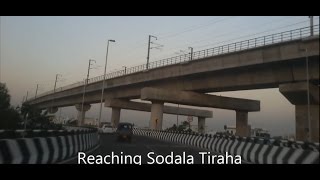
pixel 297 94
pixel 156 115
pixel 242 128
pixel 302 124
pixel 201 124
pixel 82 113
pixel 115 116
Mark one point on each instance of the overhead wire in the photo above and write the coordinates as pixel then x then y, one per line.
pixel 239 37
pixel 220 36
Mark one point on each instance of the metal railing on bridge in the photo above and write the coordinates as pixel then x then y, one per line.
pixel 219 50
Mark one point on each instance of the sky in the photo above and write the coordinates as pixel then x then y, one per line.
pixel 34 49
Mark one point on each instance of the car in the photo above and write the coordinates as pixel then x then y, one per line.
pixel 124 131
pixel 107 129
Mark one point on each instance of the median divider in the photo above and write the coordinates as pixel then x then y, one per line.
pixel 47 149
pixel 253 150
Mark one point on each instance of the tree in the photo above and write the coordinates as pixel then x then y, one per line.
pixel 173 128
pixel 9 116
pixel 36 119
pixel 4 97
pixel 184 126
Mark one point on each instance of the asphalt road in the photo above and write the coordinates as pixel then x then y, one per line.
pixel 136 152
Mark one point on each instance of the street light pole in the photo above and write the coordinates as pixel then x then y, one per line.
pixel 191 52
pixel 104 77
pixel 54 88
pixel 308 94
pixel 178 116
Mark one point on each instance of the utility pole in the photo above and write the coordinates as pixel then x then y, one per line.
pixel 150 36
pixel 178 116
pixel 125 69
pixel 84 88
pixel 305 50
pixel 55 83
pixel 54 88
pixel 308 94
pixel 191 55
pixel 311 25
pixel 36 91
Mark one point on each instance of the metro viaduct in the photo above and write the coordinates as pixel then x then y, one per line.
pixel 281 65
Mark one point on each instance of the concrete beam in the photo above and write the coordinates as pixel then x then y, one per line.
pixel 198 99
pixel 296 93
pixel 123 104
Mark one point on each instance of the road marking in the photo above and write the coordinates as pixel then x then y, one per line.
pixel 148 147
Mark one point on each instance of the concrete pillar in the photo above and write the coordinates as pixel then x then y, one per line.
pixel 242 128
pixel 297 94
pixel 201 124
pixel 115 116
pixel 82 113
pixel 156 115
pixel 302 123
pixel 52 110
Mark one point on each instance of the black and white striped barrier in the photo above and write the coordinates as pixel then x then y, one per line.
pixel 20 133
pixel 45 150
pixel 249 151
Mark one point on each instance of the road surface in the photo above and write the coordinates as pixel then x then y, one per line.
pixel 136 152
